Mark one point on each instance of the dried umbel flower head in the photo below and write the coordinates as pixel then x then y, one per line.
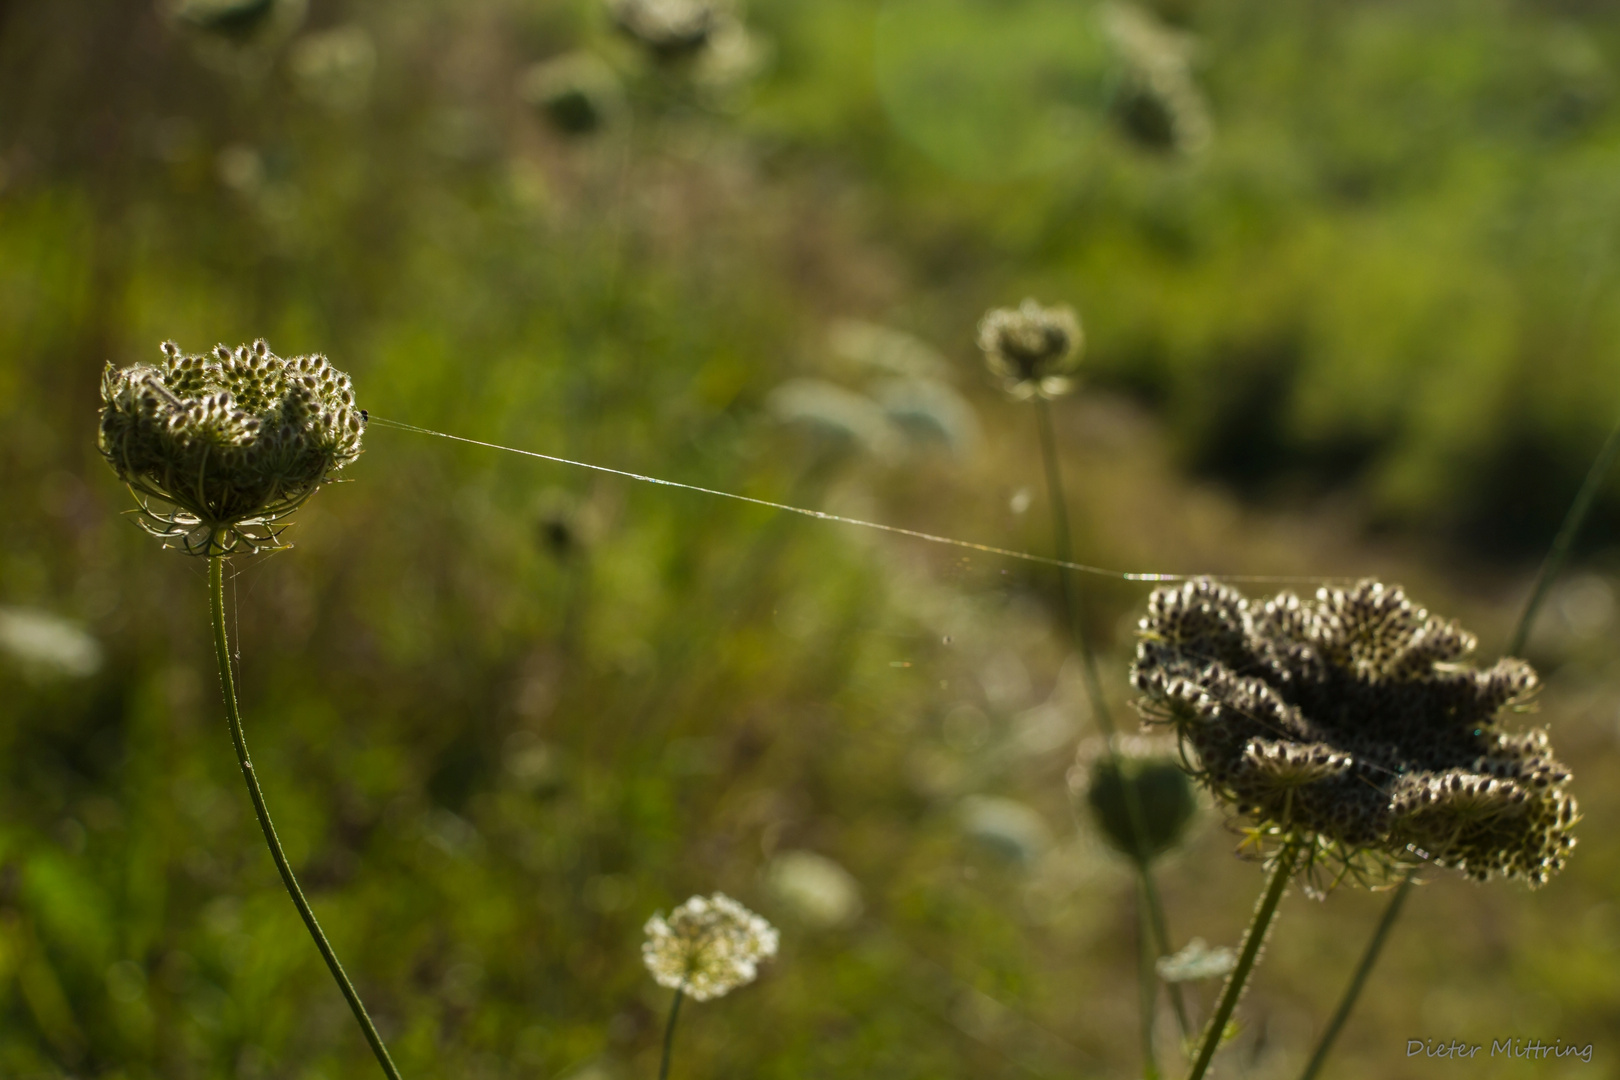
pixel 1006 828
pixel 814 888
pixel 1196 961
pixel 670 30
pixel 1164 794
pixel 840 420
pixel 1352 723
pixel 707 947
pixel 46 645
pixel 232 442
pixel 577 93
pixel 1031 349
pixel 1158 102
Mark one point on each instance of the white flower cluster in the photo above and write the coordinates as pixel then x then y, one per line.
pixel 670 29
pixel 1196 961
pixel 707 947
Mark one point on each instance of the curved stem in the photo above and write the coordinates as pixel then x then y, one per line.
pixel 1564 542
pixel 1252 942
pixel 1353 991
pixel 669 1033
pixel 227 684
pixel 1149 894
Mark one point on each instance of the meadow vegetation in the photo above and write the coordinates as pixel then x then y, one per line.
pixel 1347 280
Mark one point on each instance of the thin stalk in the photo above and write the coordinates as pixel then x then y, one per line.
pixel 1564 542
pixel 1147 980
pixel 1071 597
pixel 1156 920
pixel 669 1033
pixel 1551 566
pixel 1149 894
pixel 1363 969
pixel 227 684
pixel 1253 939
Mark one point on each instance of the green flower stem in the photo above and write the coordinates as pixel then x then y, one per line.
pixel 1147 981
pixel 669 1033
pixel 1363 969
pixel 1149 894
pixel 1557 556
pixel 1156 919
pixel 1564 542
pixel 227 683
pixel 1252 942
pixel 1071 599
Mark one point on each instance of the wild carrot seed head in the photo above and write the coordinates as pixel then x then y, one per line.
pixel 233 441
pixel 669 30
pixel 1031 349
pixel 1164 794
pixel 577 93
pixel 1353 720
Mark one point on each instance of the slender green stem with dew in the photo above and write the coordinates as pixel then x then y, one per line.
pixel 1253 940
pixel 227 683
pixel 1149 893
pixel 1551 566
pixel 669 1033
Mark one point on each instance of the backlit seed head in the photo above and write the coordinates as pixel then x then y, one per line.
pixel 1031 349
pixel 1353 721
pixel 707 947
pixel 1164 794
pixel 670 30
pixel 578 94
pixel 1158 104
pixel 218 449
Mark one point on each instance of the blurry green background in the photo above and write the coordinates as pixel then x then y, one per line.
pixel 1349 281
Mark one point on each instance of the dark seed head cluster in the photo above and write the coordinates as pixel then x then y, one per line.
pixel 1107 774
pixel 1353 721
pixel 577 94
pixel 233 441
pixel 1031 348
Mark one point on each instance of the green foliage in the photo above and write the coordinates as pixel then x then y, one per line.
pixel 491 757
